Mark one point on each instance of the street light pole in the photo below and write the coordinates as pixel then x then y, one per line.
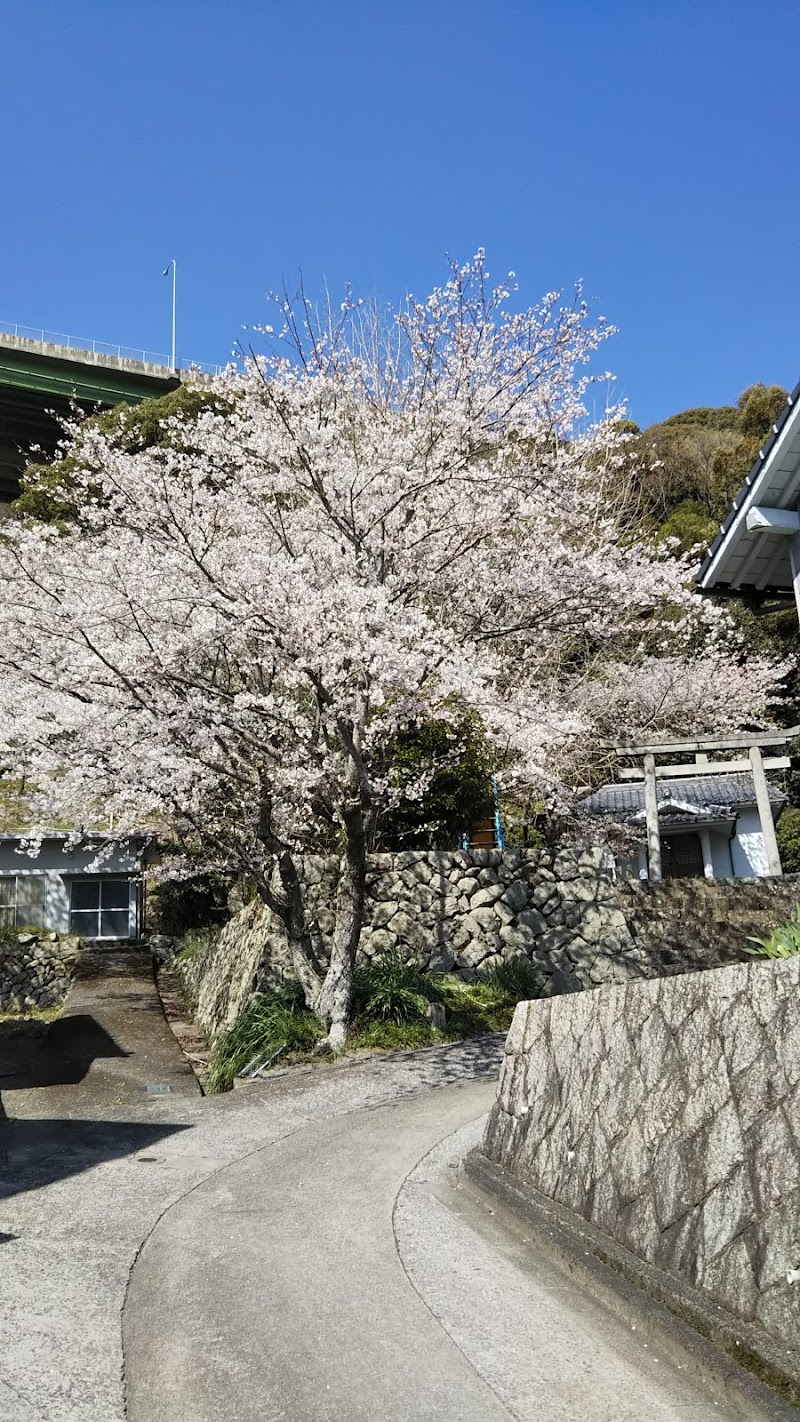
pixel 172 263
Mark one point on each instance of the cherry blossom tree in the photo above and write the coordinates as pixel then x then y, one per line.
pixel 383 520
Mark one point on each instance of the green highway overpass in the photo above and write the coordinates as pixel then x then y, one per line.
pixel 40 383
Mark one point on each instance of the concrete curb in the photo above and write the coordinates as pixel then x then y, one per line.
pixel 737 1360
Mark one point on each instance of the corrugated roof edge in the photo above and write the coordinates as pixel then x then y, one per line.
pixel 763 455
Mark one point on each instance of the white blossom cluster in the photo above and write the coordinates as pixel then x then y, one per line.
pixel 382 520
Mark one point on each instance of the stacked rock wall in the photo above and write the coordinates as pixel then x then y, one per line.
pixel 36 970
pixel 465 912
pixel 668 1114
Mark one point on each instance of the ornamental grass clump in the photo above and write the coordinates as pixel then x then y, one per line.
pixel 391 999
pixel 783 942
pixel 273 1023
pixel 515 979
pixel 390 990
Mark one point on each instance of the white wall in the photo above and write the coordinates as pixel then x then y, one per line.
pixel 721 861
pixel 58 867
pixel 747 849
pixel 728 859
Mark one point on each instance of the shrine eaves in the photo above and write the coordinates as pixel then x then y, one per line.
pixel 756 554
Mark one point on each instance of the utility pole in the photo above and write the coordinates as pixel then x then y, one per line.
pixel 172 263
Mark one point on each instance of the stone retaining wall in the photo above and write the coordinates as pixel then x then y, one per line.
pixel 668 1114
pixel 36 970
pixel 465 912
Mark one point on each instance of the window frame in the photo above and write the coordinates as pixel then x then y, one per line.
pixel 10 912
pixel 93 917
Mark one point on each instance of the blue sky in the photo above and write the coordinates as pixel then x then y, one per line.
pixel 645 146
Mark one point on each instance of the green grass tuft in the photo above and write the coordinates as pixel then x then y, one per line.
pixel 390 1001
pixel 515 978
pixel 783 942
pixel 271 1021
pixel 388 989
pixel 193 943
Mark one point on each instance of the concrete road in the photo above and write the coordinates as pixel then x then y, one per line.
pixel 80 1191
pixel 112 1047
pixel 333 1276
pixel 302 1249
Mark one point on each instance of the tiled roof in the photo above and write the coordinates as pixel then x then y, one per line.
pixel 698 794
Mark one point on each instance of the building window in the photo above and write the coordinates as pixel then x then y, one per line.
pixel 22 900
pixel 99 908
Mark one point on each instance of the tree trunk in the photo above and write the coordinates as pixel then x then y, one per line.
pixel 330 998
pixel 335 1002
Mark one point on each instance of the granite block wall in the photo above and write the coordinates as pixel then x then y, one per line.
pixel 464 912
pixel 668 1113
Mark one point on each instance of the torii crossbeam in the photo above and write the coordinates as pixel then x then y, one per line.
pixel 699 746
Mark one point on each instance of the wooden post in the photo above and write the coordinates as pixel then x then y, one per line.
pixel 651 813
pixel 765 812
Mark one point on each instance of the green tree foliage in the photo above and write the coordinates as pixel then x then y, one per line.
pixel 177 906
pixel 456 760
pixel 788 835
pixel 696 460
pixel 690 523
pixel 758 408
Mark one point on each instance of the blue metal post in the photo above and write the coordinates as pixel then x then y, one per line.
pixel 498 823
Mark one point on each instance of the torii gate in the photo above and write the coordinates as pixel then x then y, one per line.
pixel 699 746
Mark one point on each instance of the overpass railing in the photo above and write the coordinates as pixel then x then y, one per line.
pixel 83 344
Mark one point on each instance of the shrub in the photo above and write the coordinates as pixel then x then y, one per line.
pixel 787 832
pixel 389 989
pixel 178 905
pixel 783 942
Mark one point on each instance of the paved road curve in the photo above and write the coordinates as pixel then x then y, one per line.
pixel 274 1292
pixel 268 1282
pixel 85 1177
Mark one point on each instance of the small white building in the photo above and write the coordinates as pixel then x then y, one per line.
pixel 94 887
pixel 709 825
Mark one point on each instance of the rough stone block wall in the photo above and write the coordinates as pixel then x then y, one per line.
pixel 465 912
pixel 460 912
pixel 249 953
pixel 681 924
pixel 668 1114
pixel 36 970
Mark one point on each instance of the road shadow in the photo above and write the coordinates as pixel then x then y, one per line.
pixel 38 1151
pixel 59 1054
pixel 35 1153
pixel 454 1062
